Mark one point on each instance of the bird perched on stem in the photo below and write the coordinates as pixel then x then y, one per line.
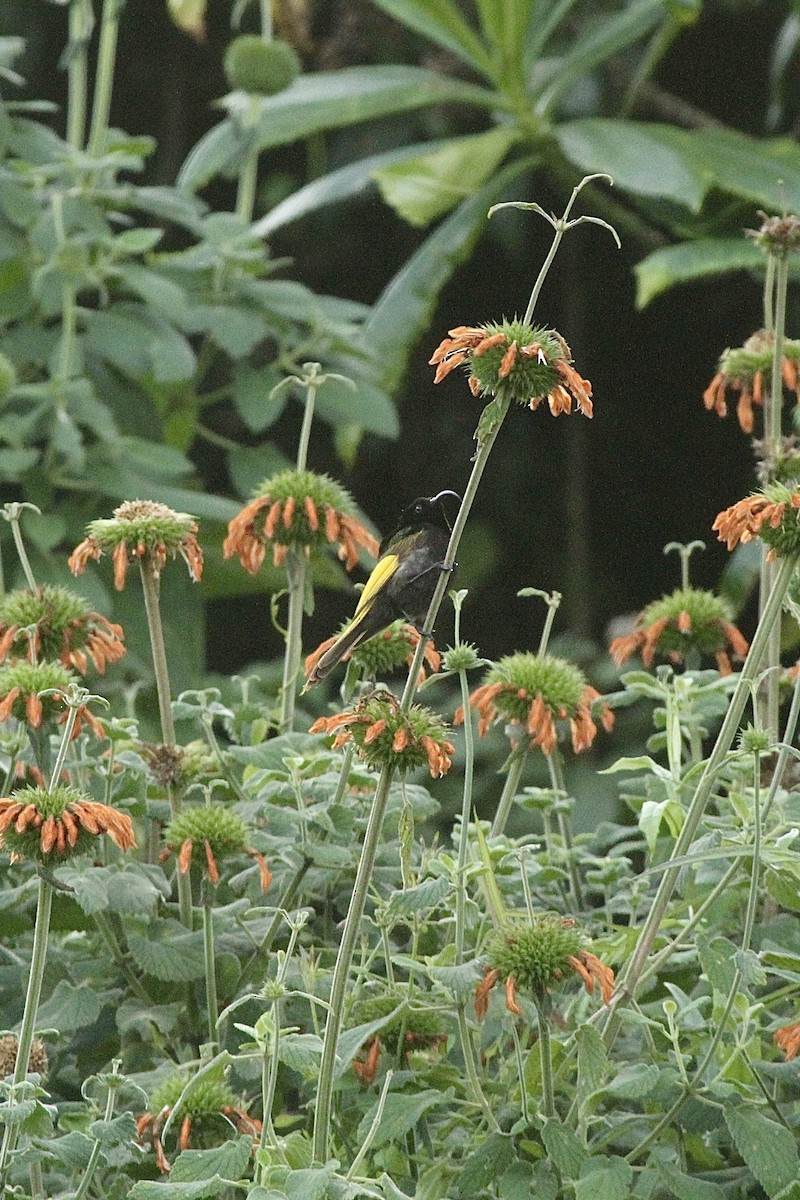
pixel 403 579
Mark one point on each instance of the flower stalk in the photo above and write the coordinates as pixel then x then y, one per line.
pixel 80 28
pixel 104 76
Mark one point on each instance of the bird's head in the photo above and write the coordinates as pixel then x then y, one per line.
pixel 428 510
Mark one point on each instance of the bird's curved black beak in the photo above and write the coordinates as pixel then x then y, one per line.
pixel 437 499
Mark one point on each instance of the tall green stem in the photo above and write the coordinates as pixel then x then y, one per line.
pixel 632 974
pixel 510 789
pixel 772 441
pixel 80 27
pixel 212 1003
pixel 104 76
pixel 546 1064
pixel 97 1148
pixel 150 589
pixel 38 959
pixel 555 766
pixel 16 533
pixel 296 576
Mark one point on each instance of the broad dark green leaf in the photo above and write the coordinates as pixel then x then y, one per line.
pixel 401 1111
pixel 604 1179
pixel 484 1164
pixel 443 23
pixel 684 1187
pixel 407 304
pixel 633 1081
pixel 414 900
pixel 214 154
pixel 423 188
pixel 564 1148
pixel 338 185
pixel 228 1160
pixel 764 171
pixel 119 1131
pixel 648 160
pixel 166 951
pixel 693 260
pixel 70 1007
pixel 769 1149
pixel 202 1189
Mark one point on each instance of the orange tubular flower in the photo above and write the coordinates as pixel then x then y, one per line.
pixel 771 515
pixel 746 370
pixel 387 736
pixel 532 953
pixel 55 623
pixel 687 623
pixel 219 832
pixel 300 510
pixel 530 692
pixel 140 531
pixel 49 826
pixel 788 1039
pixel 528 363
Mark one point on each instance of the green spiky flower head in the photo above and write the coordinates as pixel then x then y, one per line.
pixel 297 510
pixel 208 824
pixel 259 67
pixel 535 952
pixel 55 623
pixel 21 684
pixel 510 358
pixel 688 624
pixel 49 826
pixel 530 692
pixel 140 531
pixel 387 736
pixel 206 1097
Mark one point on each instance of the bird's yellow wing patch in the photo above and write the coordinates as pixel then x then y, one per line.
pixel 382 571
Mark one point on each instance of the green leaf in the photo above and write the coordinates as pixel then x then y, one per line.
pixel 300 1051
pixel 685 1188
pixel 649 160
pixel 693 260
pixel 595 43
pixel 765 172
pixel 338 185
pixel 414 900
pixel 70 1008
pixel 407 304
pixel 199 1190
pixel 484 1164
pixel 14 463
pixel 228 1160
pixel 592 1060
pixel 251 395
pixel 153 287
pixel 309 1183
pixel 117 1132
pixel 769 1149
pixel 166 951
pixel 441 21
pixel 366 405
pixel 401 1112
pixel 604 1179
pixel 324 100
pixel 423 188
pixel 564 1148
pixel 351 1041
pixel 633 1081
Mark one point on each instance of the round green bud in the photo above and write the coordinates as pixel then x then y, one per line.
pixel 259 67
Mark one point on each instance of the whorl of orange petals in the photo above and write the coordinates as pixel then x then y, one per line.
pixel 540 724
pixel 592 970
pixel 788 1039
pixel 248 534
pixel 745 519
pixel 59 831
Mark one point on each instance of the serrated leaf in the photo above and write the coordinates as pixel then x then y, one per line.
pixel 633 1082
pixel 693 260
pixel 228 1160
pixel 564 1148
pixel 593 1061
pixel 199 1190
pixel 683 1187
pixel 300 1051
pixel 604 1179
pixel 167 952
pixel 116 1132
pixel 400 1114
pixel 70 1008
pixel 414 900
pixel 484 1164
pixel 73 1150
pixel 769 1149
pixel 309 1183
pixel 424 188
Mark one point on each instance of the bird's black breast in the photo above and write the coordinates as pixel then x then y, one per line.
pixel 412 585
